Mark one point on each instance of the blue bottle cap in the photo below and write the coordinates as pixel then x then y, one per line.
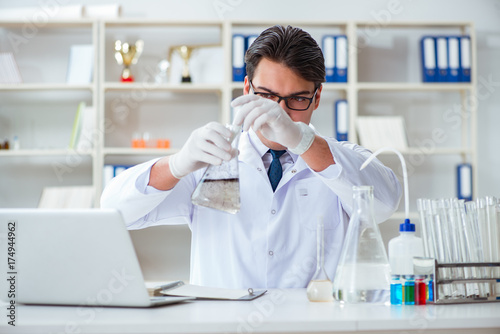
pixel 407 226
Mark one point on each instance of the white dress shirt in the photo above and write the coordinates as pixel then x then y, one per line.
pixel 271 242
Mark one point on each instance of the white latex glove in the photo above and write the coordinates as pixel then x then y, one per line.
pixel 206 145
pixel 273 122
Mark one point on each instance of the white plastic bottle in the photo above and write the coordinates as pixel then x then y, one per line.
pixel 402 249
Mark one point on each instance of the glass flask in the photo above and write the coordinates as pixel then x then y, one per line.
pixel 363 273
pixel 319 288
pixel 219 187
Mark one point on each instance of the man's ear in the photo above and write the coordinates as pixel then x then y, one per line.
pixel 246 86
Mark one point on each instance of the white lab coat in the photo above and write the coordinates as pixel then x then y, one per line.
pixel 271 242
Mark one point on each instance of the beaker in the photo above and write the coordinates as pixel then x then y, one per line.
pixel 319 288
pixel 219 187
pixel 363 273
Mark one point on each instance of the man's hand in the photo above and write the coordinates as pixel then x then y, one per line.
pixel 206 145
pixel 273 122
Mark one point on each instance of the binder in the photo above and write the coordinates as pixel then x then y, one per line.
pixel 428 55
pixel 465 58
pixel 341 58
pixel 453 58
pixel 249 40
pixel 239 57
pixel 341 120
pixel 328 45
pixel 442 59
pixel 464 181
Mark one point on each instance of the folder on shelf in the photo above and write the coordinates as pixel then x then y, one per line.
pixel 453 58
pixel 85 141
pixel 380 131
pixel 249 40
pixel 9 72
pixel 81 64
pixel 341 58
pixel 442 59
pixel 77 125
pixel 465 58
pixel 341 120
pixel 328 45
pixel 428 55
pixel 239 57
pixel 464 181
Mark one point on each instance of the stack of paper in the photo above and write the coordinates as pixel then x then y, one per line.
pixel 380 131
pixel 9 72
pixel 79 197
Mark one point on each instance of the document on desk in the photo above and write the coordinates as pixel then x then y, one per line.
pixel 182 289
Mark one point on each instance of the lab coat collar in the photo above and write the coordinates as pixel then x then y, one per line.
pixel 252 150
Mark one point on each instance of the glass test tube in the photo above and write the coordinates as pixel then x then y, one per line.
pixel 396 290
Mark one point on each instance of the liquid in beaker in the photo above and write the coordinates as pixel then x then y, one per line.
pixel 219 187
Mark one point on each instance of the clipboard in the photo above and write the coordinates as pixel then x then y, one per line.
pixel 181 289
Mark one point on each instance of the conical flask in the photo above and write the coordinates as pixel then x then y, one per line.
pixel 319 288
pixel 363 273
pixel 219 187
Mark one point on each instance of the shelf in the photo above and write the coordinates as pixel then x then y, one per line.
pixel 49 24
pixel 138 151
pixel 149 86
pixel 141 22
pixel 42 152
pixel 435 151
pixel 416 24
pixel 45 86
pixel 403 86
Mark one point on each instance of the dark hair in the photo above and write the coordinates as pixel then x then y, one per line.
pixel 290 46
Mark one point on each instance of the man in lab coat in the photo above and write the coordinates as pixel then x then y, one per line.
pixel 271 241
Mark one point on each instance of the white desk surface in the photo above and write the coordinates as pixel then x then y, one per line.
pixel 279 311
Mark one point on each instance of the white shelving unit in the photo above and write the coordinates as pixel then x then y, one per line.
pixel 175 109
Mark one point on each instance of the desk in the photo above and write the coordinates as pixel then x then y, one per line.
pixel 279 311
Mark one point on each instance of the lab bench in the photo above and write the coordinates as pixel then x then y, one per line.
pixel 278 311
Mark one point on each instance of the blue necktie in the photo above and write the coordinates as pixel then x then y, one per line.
pixel 275 171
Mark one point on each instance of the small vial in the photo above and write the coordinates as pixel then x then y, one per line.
pixel 396 290
pixel 420 290
pixel 430 289
pixel 409 290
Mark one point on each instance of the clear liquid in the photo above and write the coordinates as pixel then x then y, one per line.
pixel 363 283
pixel 320 291
pixel 218 194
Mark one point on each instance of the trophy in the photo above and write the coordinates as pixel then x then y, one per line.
pixel 185 52
pixel 127 55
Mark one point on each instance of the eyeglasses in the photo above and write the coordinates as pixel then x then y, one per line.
pixel 299 103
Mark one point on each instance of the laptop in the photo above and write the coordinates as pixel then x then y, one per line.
pixel 74 257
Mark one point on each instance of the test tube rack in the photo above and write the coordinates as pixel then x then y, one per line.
pixel 491 283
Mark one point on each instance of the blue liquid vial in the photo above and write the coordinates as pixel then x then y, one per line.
pixel 396 290
pixel 430 289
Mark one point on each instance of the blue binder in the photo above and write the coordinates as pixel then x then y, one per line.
pixel 239 57
pixel 249 41
pixel 340 73
pixel 453 58
pixel 341 120
pixel 465 58
pixel 464 181
pixel 428 56
pixel 328 45
pixel 442 59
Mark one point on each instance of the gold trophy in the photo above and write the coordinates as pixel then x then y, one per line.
pixel 127 55
pixel 185 52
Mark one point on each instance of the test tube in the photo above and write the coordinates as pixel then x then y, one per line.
pixel 493 232
pixel 420 290
pixel 409 290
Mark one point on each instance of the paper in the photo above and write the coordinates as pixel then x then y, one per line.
pixel 203 292
pixel 81 64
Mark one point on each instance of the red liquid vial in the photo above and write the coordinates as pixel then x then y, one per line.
pixel 420 290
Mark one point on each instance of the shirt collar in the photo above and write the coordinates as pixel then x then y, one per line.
pixel 261 148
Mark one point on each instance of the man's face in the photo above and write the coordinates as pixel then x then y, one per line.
pixel 275 78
